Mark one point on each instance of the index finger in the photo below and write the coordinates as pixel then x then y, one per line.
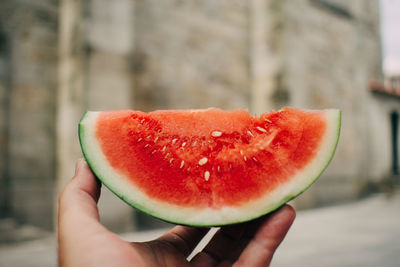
pixel 184 238
pixel 262 246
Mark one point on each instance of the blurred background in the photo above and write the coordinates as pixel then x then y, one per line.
pixel 59 58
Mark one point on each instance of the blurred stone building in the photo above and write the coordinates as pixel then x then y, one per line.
pixel 61 57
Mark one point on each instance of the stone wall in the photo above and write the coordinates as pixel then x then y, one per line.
pixel 32 35
pixel 191 54
pixel 4 98
pixel 330 50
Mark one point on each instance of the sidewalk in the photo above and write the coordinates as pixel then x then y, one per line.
pixel 364 233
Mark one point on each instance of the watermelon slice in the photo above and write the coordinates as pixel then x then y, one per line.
pixel 208 167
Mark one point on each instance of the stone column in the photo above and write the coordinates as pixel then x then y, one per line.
pixel 264 55
pixel 71 97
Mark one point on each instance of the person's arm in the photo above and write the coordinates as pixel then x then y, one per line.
pixel 83 241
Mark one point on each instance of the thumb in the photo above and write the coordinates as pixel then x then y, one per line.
pixel 78 201
pixel 78 216
pixel 85 180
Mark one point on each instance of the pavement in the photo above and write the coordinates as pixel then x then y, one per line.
pixel 363 233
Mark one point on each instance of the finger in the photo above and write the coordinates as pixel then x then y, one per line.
pixel 260 249
pixel 220 246
pixel 77 212
pixel 184 238
pixel 80 196
pixel 78 202
pixel 85 180
pixel 250 230
pixel 227 244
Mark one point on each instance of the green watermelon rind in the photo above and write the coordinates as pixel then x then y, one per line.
pixel 142 208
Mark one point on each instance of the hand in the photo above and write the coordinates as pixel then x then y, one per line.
pixel 83 241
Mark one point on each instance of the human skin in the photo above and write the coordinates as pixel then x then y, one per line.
pixel 84 241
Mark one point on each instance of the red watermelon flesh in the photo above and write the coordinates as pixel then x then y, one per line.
pixel 209 167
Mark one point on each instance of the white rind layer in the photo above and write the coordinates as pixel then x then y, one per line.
pixel 120 185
